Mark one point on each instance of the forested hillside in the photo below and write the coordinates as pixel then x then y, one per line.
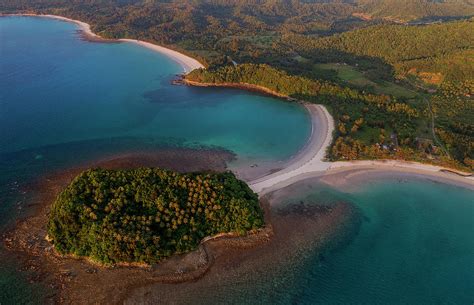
pixel 395 44
pixel 211 28
pixel 406 10
pixel 353 45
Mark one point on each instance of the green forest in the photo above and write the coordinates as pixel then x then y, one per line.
pixel 214 29
pixel 403 69
pixel 368 125
pixel 406 10
pixel 147 214
pixel 436 61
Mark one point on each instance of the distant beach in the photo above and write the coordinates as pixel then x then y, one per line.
pixel 309 162
pixel 339 173
pixel 187 63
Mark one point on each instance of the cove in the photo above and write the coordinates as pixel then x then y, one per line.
pixel 66 101
pixel 57 88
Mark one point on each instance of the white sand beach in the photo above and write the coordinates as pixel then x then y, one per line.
pixel 310 158
pixel 310 161
pixel 187 63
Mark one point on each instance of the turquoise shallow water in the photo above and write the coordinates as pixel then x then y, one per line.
pixel 57 88
pixel 414 244
pixel 64 101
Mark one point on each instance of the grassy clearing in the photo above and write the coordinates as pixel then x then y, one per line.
pixel 354 77
pixel 260 41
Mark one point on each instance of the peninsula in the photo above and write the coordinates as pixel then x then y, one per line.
pixel 143 215
pixel 321 155
pixel 138 204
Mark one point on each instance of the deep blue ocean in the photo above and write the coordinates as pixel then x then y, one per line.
pixel 64 101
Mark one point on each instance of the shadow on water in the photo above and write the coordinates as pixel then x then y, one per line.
pixel 20 168
pixel 182 95
pixel 21 171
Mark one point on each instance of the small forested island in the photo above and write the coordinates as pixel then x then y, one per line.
pixel 147 214
pixel 386 82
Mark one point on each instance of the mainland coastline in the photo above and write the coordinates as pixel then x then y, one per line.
pixel 313 155
pixel 187 63
pixel 310 160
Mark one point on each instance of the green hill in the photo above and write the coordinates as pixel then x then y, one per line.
pixel 406 10
pixel 144 215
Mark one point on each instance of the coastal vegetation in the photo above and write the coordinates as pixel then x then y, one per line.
pixel 368 125
pixel 408 10
pixel 147 214
pixel 385 64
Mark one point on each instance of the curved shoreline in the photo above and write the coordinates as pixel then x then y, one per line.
pixel 346 169
pixel 310 158
pixel 309 161
pixel 186 62
pixel 314 150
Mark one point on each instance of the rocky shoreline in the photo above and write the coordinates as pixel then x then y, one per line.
pixel 242 86
pixel 27 239
pixel 77 280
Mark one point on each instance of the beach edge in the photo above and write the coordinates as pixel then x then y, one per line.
pixel 186 62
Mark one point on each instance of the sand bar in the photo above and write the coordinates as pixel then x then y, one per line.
pixel 368 167
pixel 310 161
pixel 310 158
pixel 352 178
pixel 187 63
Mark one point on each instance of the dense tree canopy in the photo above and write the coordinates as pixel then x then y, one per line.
pixel 395 43
pixel 144 215
pixel 377 125
pixel 405 10
pixel 390 67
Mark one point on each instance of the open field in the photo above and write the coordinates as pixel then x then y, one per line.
pixel 354 77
